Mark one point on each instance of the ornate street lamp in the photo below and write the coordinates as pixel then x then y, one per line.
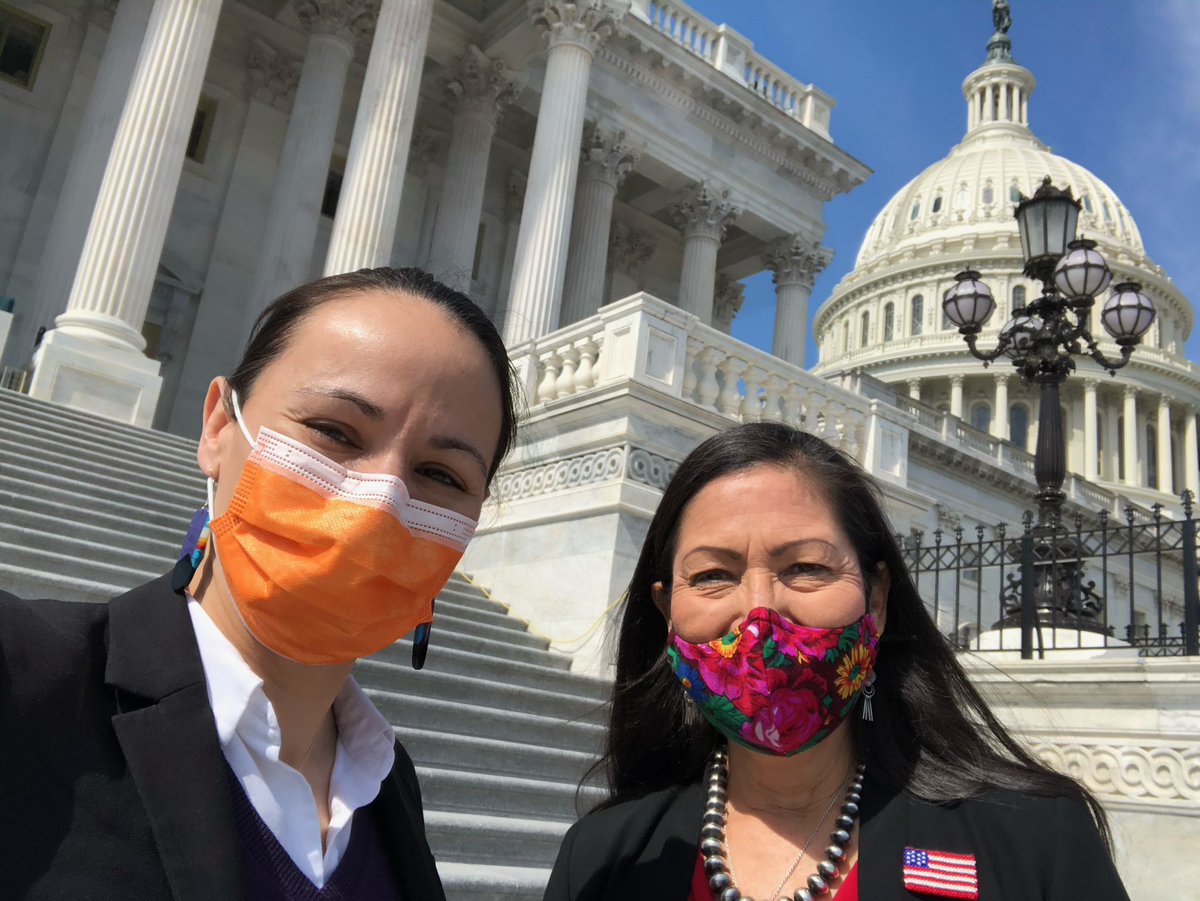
pixel 1042 338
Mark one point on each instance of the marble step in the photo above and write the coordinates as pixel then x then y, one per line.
pixel 84 497
pixel 121 550
pixel 499 758
pixel 493 882
pixel 34 449
pixel 108 484
pixel 466 792
pixel 69 521
pixel 513 841
pixel 484 646
pixel 13 403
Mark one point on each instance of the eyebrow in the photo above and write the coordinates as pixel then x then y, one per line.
pixel 445 442
pixel 370 410
pixel 777 551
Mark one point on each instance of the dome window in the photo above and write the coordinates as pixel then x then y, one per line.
pixel 937 204
pixel 960 199
pixel 1014 194
pixel 889 321
pixel 989 195
pixel 864 335
pixel 916 211
pixel 1018 297
pixel 1107 212
pixel 918 314
pixel 1018 425
pixel 1087 204
pixel 981 416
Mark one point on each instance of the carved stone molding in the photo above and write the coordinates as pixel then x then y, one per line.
pixel 514 194
pixel 705 209
pixel 796 259
pixel 608 464
pixel 425 146
pixel 481 84
pixel 728 297
pixel 1155 774
pixel 584 23
pixel 628 248
pixel 351 20
pixel 607 154
pixel 273 75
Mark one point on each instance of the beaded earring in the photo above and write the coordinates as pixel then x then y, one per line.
pixel 192 552
pixel 421 642
pixel 868 692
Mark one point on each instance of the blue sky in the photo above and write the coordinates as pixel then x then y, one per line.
pixel 1118 92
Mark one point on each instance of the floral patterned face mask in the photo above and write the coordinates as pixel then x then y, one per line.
pixel 774 686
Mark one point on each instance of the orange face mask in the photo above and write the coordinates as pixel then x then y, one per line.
pixel 327 565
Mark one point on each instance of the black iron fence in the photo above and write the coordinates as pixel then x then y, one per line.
pixel 1093 581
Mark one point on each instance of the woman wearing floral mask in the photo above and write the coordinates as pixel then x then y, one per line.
pixel 201 736
pixel 787 722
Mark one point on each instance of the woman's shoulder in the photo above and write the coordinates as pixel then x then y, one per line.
pixel 624 816
pixel 46 642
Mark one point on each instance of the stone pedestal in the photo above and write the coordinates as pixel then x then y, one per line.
pixel 480 89
pixel 574 32
pixel 703 212
pixel 365 227
pixel 607 158
pixel 796 261
pixel 93 357
pixel 285 255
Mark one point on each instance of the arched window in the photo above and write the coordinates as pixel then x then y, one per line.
pixel 981 415
pixel 1014 194
pixel 1018 425
pixel 960 198
pixel 989 194
pixel 889 321
pixel 918 315
pixel 1087 203
pixel 916 211
pixel 864 333
pixel 1101 463
pixel 845 335
pixel 1107 211
pixel 1018 297
pixel 937 204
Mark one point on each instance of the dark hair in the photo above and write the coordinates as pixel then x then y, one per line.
pixel 933 736
pixel 274 327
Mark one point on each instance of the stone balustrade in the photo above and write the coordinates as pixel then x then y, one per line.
pixel 724 49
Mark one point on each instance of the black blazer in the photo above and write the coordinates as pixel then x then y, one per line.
pixel 112 779
pixel 1026 849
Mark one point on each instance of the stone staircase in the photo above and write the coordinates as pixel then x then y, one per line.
pixel 500 730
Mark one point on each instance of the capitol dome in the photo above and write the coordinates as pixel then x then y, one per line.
pixel 884 319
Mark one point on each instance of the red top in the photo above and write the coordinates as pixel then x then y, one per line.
pixel 847 891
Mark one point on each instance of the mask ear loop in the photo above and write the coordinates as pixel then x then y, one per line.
pixel 237 415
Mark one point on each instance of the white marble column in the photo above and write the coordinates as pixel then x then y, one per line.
pixel 914 389
pixel 285 257
pixel 93 357
pixel 1191 454
pixel 1166 479
pixel 956 395
pixel 795 261
pixel 365 226
pixel 479 90
pixel 1091 456
pixel 606 159
pixel 728 297
pixel 703 212
pixel 1130 438
pixel 514 198
pixel 574 32
pixel 1112 441
pixel 63 242
pixel 1000 407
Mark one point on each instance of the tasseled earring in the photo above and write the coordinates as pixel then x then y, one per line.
pixel 868 692
pixel 691 715
pixel 192 551
pixel 421 642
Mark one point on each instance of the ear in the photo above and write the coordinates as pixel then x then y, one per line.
pixel 881 586
pixel 215 420
pixel 662 600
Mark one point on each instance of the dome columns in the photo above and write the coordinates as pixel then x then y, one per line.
pixel 703 212
pixel 956 396
pixel 1163 446
pixel 1191 454
pixel 999 425
pixel 1091 458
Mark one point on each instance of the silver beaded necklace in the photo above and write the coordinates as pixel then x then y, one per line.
pixel 713 844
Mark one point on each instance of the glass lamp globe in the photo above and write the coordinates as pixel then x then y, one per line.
pixel 1046 222
pixel 1018 332
pixel 1082 273
pixel 1128 313
pixel 968 303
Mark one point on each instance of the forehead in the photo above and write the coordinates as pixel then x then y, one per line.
pixel 761 499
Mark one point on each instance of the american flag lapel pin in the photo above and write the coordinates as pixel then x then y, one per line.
pixel 941 874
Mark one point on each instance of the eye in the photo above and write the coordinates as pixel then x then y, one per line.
pixel 331 432
pixel 443 476
pixel 711 577
pixel 807 569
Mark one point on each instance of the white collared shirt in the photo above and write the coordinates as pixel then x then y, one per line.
pixel 249 734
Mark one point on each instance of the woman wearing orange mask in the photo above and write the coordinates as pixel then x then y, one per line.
pixel 201 736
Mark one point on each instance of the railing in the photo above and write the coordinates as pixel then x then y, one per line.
pixel 642 339
pixel 1096 583
pixel 14 379
pixel 726 50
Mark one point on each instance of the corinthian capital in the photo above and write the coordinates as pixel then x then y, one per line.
pixel 351 20
pixel 585 23
pixel 480 83
pixel 704 209
pixel 796 260
pixel 273 75
pixel 728 297
pixel 607 154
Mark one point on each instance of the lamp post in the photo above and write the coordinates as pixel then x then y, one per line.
pixel 1042 339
